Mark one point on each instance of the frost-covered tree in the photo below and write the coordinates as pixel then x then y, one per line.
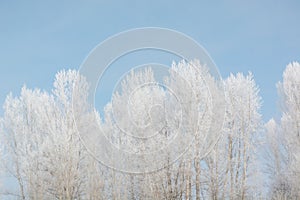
pixel 230 167
pixel 135 122
pixel 41 144
pixel 276 161
pixel 21 135
pixel 287 154
pixel 198 93
pixel 179 109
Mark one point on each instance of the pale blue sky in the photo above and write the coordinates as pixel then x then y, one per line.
pixel 38 38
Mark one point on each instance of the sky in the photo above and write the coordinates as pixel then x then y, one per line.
pixel 39 38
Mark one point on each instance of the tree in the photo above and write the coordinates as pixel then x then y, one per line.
pixel 242 125
pixel 181 108
pixel 287 154
pixel 42 146
pixel 131 119
pixel 198 94
pixel 228 170
pixel 18 131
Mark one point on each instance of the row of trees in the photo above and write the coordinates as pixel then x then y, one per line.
pixel 173 126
